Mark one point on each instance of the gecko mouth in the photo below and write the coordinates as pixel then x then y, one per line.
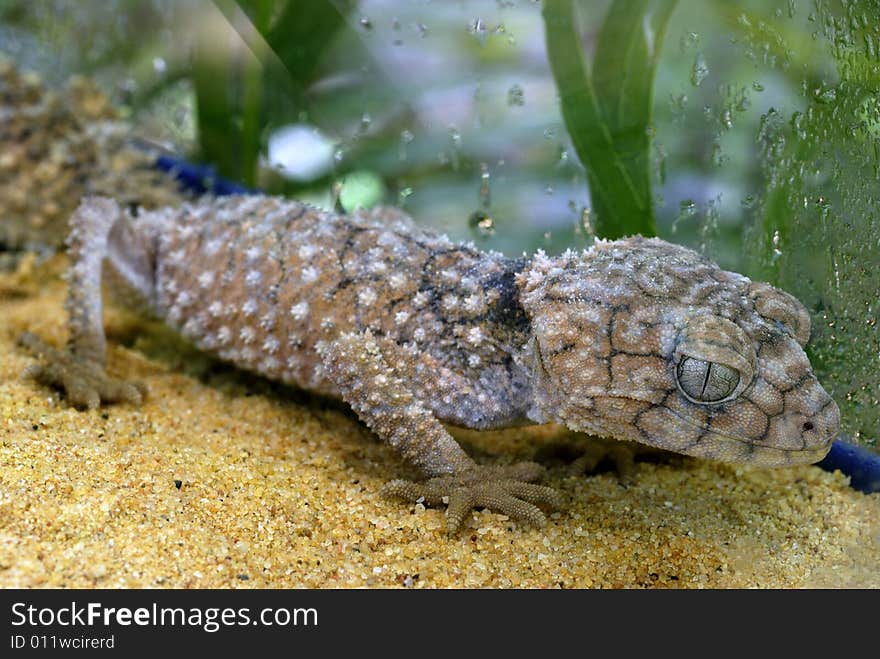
pixel 786 456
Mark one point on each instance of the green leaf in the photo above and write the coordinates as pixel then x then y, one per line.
pixel 276 58
pixel 607 110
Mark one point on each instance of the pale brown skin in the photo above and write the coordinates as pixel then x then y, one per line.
pixel 411 330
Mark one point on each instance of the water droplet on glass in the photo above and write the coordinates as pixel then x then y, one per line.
pixel 727 118
pixel 679 103
pixel 825 95
pixel 159 65
pixel 482 223
pixel 406 137
pixel 366 23
pixel 478 28
pixel 699 71
pixel 455 139
pixel 717 155
pixel 687 208
pixel 563 157
pixel 689 40
pixel 587 222
pixel 797 123
pixel 549 133
pixel 516 96
pixel 485 187
pixel 455 136
pixel 775 244
pixel 757 86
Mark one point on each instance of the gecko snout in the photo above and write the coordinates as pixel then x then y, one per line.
pixel 819 430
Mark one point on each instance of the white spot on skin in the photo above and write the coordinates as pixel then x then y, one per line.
pixel 224 334
pixel 192 327
pixel 450 302
pixel 267 322
pixel 252 253
pixel 468 283
pixel 397 281
pixel 309 274
pixel 475 336
pixel 474 304
pixel 269 365
pixel 474 360
pixel 253 277
pixel 247 334
pixel 367 297
pixel 212 247
pixel 300 310
pixel 206 279
pixel 249 308
pixel 419 300
pixel 306 252
pixel 215 309
pixel 419 335
pixel 401 317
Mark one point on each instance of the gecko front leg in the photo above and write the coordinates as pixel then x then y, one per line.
pixel 79 370
pixel 359 364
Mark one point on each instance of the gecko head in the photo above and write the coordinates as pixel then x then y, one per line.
pixel 644 340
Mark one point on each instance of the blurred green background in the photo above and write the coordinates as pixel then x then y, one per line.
pixel 751 129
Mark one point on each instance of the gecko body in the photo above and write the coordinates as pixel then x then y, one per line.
pixel 636 339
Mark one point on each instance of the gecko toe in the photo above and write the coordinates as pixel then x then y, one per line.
pixel 536 494
pixel 500 489
pixel 461 502
pixel 83 381
pixel 621 455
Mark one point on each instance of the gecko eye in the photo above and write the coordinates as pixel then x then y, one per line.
pixel 705 382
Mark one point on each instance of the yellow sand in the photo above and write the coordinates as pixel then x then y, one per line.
pixel 280 489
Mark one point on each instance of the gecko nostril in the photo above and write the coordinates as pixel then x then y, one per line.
pixel 808 426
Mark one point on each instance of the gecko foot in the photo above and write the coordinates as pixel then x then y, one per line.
pixel 504 489
pixel 621 455
pixel 84 381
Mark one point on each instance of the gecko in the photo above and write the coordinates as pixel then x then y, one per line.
pixel 634 339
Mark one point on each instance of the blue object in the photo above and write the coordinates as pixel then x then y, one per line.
pixel 861 465
pixel 199 178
